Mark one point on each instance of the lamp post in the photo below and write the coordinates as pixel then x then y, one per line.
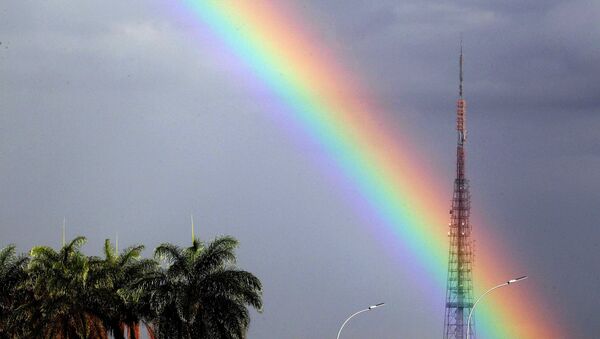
pixel 511 281
pixel 361 311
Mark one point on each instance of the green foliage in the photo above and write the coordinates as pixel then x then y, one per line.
pixel 60 301
pixel 12 275
pixel 112 276
pixel 200 293
pixel 193 292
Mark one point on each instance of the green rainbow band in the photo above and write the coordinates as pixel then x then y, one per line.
pixel 328 104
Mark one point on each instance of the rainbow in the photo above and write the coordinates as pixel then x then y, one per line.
pixel 326 102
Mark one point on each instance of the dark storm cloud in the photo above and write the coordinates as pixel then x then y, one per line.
pixel 122 117
pixel 518 54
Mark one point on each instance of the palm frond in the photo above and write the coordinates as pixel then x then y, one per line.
pixel 220 252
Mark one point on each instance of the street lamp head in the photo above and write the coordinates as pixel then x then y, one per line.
pixel 376 305
pixel 517 279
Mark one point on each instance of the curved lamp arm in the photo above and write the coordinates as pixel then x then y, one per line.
pixel 486 293
pixel 361 311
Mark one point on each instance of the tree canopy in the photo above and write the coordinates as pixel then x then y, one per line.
pixel 190 292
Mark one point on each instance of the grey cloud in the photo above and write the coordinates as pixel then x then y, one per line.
pixel 125 117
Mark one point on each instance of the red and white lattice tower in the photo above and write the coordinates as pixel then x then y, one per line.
pixel 459 288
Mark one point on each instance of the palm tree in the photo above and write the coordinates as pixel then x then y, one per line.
pixel 200 293
pixel 62 304
pixel 111 278
pixel 12 275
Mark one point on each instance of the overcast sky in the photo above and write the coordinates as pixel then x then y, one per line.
pixel 122 117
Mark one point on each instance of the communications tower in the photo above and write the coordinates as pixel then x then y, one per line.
pixel 459 288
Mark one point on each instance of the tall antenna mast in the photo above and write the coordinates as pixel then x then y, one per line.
pixel 459 286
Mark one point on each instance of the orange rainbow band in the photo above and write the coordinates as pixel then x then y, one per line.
pixel 327 103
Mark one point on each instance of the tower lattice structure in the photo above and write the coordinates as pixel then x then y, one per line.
pixel 459 288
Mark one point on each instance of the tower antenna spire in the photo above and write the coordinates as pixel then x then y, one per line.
pixel 460 86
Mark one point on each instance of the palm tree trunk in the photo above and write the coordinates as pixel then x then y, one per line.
pixel 119 331
pixel 150 331
pixel 133 330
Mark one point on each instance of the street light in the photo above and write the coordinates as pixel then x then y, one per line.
pixel 511 281
pixel 361 311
